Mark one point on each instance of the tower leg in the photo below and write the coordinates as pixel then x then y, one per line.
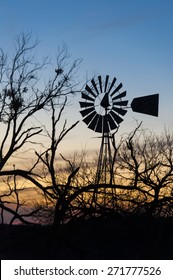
pixel 104 173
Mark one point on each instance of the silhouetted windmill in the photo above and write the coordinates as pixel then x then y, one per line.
pixel 103 111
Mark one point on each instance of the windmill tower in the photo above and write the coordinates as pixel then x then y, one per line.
pixel 103 109
pixel 103 112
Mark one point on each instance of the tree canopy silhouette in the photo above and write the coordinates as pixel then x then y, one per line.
pixel 23 96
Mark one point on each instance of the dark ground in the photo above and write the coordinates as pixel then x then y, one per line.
pixel 97 238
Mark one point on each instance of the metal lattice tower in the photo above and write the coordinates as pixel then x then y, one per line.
pixel 105 161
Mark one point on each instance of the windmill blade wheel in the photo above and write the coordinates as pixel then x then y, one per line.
pixel 104 115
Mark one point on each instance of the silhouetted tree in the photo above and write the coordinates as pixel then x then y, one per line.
pixel 23 95
pixel 145 162
pixel 143 174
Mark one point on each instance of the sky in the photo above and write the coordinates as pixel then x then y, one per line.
pixel 131 40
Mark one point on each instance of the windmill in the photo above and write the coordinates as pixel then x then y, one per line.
pixel 103 108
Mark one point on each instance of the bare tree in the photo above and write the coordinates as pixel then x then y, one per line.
pixel 143 171
pixel 146 163
pixel 22 97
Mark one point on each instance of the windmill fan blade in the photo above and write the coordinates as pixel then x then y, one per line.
pixel 117 89
pixel 112 123
pixel 89 117
pixel 116 118
pixel 90 90
pixel 105 124
pixel 146 104
pixel 106 82
pixel 86 111
pixel 86 104
pixel 100 82
pixel 123 94
pixel 95 86
pixel 99 124
pixel 87 97
pixel 112 84
pixel 121 103
pixel 120 111
pixel 94 121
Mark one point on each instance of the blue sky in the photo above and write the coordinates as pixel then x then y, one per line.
pixel 129 39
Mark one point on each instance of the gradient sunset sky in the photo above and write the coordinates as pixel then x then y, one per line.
pixel 131 40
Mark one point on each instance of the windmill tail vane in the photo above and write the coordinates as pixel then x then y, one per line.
pixel 146 104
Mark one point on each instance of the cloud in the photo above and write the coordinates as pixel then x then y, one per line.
pixel 121 23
